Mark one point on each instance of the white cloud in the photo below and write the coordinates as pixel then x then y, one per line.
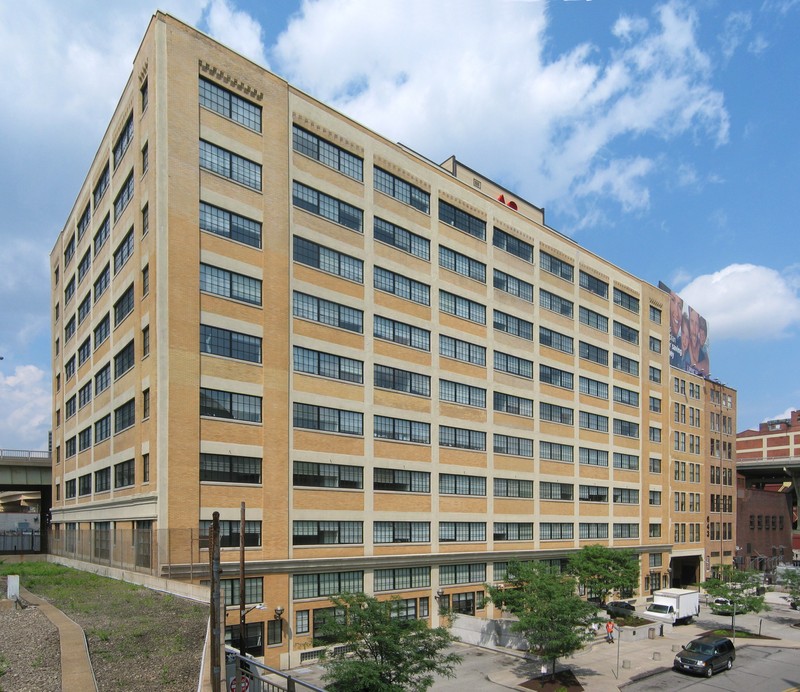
pixel 562 123
pixel 734 30
pixel 236 29
pixel 745 301
pixel 758 45
pixel 784 415
pixel 24 408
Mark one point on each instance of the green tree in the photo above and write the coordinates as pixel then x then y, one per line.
pixel 550 614
pixel 791 582
pixel 740 588
pixel 601 570
pixel 383 653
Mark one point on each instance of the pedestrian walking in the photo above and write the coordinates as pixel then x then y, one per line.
pixel 610 631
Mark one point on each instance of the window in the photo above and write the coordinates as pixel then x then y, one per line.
pixel 84 442
pixel 593 387
pixel 461 264
pixel 219 404
pixel 102 480
pixel 253 590
pixel 69 329
pixel 462 531
pixel 592 530
pixel 315 475
pixel 401 286
pixel 328 365
pixel 84 351
pixel 655 434
pixel 145 157
pixel 625 364
pixel 556 340
pixel 513 365
pixel 556 377
pixel 509 403
pixel 327 532
pixel 516 531
pixel 593 284
pixel 462 307
pixel 593 353
pixel 101 186
pixel 462 574
pixel 229 284
pixel 515 246
pixel 102 379
pixel 327 207
pixel 655 465
pixel 326 584
pixel 626 428
pixel 556 491
pixel 460 393
pixel 401 239
pixel 85 394
pixel 626 333
pixel 327 154
pixel 555 451
pixel 626 496
pixel 401 333
pixel 146 341
pixel 626 461
pixel 462 220
pixel 402 380
pixel 229 533
pixel 229 225
pixel 401 532
pixel 146 280
pixel 230 165
pixel 102 330
pixel 593 319
pixel 655 374
pixel 84 265
pixel 551 301
pixel 401 481
pixel 70 452
pixel 145 404
pixel 626 530
pixel 223 342
pixel 654 530
pixel 553 265
pixel 516 446
pixel 462 438
pixel 101 282
pixel 555 413
pixel 462 350
pixel 626 300
pixel 327 312
pixel 593 493
pixel 69 291
pixel 655 314
pixel 655 404
pixel 124 360
pixel 69 250
pixel 125 416
pixel 402 430
pixel 451 484
pixel 313 417
pixel 123 140
pixel 123 198
pixel 84 308
pixel 626 396
pixel 401 190
pixel 555 531
pixel 511 487
pixel 124 306
pixel 230 105
pixel 69 368
pixel 513 286
pixel 516 326
pixel 593 457
pixel 593 421
pixel 655 497
pixel 655 344
pixel 402 578
pixel 320 257
pixel 124 474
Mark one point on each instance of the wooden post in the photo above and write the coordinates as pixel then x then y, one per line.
pixel 216 643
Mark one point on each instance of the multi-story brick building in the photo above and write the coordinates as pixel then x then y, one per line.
pixel 404 374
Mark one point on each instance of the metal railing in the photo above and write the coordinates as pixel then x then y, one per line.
pixel 23 454
pixel 245 673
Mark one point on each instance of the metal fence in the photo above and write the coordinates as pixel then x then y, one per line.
pixel 245 673
pixel 20 541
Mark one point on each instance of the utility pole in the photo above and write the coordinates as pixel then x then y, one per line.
pixel 242 614
pixel 216 644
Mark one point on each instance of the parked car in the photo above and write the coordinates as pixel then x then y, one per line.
pixel 620 609
pixel 706 655
pixel 724 606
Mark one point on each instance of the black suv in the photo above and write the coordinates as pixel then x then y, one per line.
pixel 706 655
pixel 620 609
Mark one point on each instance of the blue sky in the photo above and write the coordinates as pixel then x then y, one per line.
pixel 660 135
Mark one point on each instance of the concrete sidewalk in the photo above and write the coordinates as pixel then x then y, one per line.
pixel 604 667
pixel 77 674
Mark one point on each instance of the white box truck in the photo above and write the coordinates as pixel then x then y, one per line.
pixel 673 605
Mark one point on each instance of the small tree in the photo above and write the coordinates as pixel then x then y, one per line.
pixel 551 615
pixel 383 653
pixel 791 582
pixel 740 588
pixel 601 570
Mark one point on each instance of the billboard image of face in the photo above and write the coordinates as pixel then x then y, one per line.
pixel 688 336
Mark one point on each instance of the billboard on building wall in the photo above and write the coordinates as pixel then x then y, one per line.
pixel 688 336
